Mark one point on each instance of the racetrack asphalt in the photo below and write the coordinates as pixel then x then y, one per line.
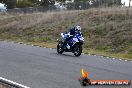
pixel 38 67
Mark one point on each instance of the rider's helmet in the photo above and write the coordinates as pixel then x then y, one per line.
pixel 77 29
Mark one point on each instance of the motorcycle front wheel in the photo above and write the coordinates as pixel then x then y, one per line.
pixel 60 49
pixel 78 50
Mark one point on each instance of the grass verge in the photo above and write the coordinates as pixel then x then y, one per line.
pixel 107 31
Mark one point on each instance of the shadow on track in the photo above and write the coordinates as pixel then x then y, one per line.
pixel 66 55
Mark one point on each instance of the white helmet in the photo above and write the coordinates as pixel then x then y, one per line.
pixel 78 28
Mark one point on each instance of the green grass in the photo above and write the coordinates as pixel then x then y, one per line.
pixel 108 54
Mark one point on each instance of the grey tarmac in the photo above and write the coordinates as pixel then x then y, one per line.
pixel 39 67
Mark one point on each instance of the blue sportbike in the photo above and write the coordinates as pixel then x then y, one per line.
pixel 73 45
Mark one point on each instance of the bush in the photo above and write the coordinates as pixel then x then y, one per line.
pixel 24 3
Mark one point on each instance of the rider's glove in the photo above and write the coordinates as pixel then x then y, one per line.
pixel 69 35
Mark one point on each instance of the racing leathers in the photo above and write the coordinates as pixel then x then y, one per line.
pixel 70 34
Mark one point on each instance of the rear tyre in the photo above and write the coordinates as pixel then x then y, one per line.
pixel 78 50
pixel 60 49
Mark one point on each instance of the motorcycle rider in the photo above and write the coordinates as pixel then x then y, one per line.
pixel 71 33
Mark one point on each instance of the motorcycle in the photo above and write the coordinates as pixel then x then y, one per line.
pixel 74 45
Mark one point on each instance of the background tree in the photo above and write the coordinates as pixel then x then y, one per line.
pixel 45 3
pixel 129 3
pixel 32 3
pixel 24 3
pixel 10 3
pixel 100 3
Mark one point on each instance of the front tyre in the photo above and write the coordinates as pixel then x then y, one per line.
pixel 60 49
pixel 78 50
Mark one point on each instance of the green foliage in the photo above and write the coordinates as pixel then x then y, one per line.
pixel 100 30
pixel 24 3
pixel 106 2
pixel 46 2
pixel 104 48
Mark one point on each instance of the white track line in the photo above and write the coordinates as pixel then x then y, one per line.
pixel 113 58
pixel 125 60
pixel 102 56
pixel 89 54
pixel 12 82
